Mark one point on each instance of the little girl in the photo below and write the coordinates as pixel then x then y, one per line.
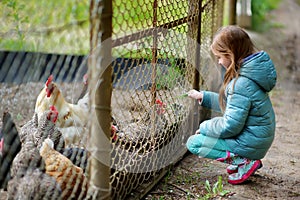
pixel 245 132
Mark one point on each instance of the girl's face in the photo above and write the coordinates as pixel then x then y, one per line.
pixel 223 60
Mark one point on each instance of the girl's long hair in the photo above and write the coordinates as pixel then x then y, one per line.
pixel 234 43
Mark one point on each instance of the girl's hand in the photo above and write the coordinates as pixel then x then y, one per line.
pixel 195 94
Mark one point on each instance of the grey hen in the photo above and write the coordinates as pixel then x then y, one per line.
pixel 33 185
pixel 27 158
pixel 10 146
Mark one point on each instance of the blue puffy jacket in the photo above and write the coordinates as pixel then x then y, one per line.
pixel 248 122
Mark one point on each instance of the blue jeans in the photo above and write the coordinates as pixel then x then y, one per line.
pixel 207 147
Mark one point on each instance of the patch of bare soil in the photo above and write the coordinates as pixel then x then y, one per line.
pixel 279 178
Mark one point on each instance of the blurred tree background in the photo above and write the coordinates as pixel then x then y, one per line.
pixel 62 26
pixel 260 18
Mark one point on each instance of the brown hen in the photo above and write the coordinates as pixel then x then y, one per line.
pixel 70 177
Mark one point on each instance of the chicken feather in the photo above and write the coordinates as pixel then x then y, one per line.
pixel 29 127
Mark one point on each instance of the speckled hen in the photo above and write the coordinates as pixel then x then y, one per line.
pixel 33 185
pixel 10 145
pixel 29 157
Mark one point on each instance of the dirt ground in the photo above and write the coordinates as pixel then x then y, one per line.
pixel 279 178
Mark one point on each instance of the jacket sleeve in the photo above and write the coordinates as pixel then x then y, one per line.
pixel 211 101
pixel 234 118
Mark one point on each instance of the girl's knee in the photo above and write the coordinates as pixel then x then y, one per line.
pixel 193 144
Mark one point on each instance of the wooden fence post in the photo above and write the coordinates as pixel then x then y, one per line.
pixel 232 12
pixel 100 91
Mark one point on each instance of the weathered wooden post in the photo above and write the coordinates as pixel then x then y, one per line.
pixel 232 12
pixel 100 91
pixel 193 52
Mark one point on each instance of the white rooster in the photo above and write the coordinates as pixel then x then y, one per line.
pixel 72 118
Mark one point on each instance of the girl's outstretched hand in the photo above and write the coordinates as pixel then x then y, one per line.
pixel 195 94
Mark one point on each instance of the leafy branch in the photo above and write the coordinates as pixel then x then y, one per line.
pixel 14 9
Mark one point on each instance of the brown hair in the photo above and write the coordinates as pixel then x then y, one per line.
pixel 234 43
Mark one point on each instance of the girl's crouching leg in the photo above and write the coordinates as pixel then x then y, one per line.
pixel 194 144
pixel 207 147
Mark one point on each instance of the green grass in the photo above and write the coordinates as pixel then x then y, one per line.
pixel 215 190
pixel 184 181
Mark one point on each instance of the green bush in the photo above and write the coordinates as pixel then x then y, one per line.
pixel 260 9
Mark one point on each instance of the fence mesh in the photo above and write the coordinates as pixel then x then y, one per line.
pixel 160 50
pixel 158 43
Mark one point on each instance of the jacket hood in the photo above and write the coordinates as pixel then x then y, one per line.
pixel 260 69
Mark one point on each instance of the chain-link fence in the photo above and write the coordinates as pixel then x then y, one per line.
pixel 166 41
pixel 155 51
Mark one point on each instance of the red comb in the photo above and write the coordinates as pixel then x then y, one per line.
pixel 161 107
pixel 157 101
pixel 49 80
pixel 114 130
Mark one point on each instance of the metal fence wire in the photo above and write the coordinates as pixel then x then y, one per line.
pixel 158 50
pixel 164 45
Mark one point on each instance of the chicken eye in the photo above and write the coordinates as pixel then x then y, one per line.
pixel 67 116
